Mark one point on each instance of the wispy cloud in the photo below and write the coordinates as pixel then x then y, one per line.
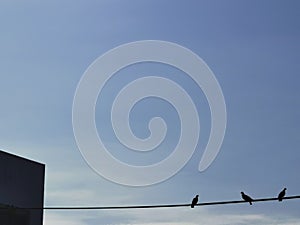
pixel 51 218
pixel 164 217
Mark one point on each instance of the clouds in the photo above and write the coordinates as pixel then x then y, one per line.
pixel 180 216
pixel 81 188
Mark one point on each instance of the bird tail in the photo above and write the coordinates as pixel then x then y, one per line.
pixel 192 206
pixel 280 199
pixel 250 203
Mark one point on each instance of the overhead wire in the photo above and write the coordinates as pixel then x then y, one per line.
pixel 144 206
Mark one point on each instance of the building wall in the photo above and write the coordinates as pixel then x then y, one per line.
pixel 21 185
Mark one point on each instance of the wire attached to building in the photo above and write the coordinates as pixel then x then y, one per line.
pixel 144 206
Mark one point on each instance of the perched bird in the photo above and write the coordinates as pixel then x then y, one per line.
pixel 195 201
pixel 247 198
pixel 281 195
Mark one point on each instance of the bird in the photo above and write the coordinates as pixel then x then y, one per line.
pixel 281 194
pixel 247 198
pixel 194 202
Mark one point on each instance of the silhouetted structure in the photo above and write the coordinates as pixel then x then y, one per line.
pixel 195 201
pixel 247 198
pixel 11 215
pixel 281 195
pixel 21 186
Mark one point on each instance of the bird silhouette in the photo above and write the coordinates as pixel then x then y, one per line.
pixel 194 202
pixel 247 198
pixel 281 194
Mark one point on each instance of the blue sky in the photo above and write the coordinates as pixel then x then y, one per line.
pixel 251 46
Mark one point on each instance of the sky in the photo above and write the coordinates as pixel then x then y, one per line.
pixel 253 49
